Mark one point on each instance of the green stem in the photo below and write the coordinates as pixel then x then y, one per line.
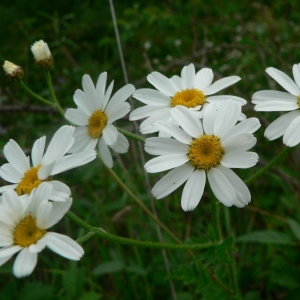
pixel 86 237
pixel 108 236
pixel 215 211
pixel 131 135
pixel 268 166
pixel 51 89
pixel 142 205
pixel 33 94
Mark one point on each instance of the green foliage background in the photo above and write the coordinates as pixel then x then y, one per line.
pixel 231 37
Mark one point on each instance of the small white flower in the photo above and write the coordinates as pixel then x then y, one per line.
pixel 287 125
pixel 26 178
pixel 95 115
pixel 192 90
pixel 40 50
pixel 23 229
pixel 12 71
pixel 204 148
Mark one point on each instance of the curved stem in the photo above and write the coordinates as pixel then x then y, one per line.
pixel 268 166
pixel 50 86
pixel 131 135
pixel 108 236
pixel 33 94
pixel 143 206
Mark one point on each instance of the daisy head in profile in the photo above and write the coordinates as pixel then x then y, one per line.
pixel 287 125
pixel 192 90
pixel 203 150
pixel 94 116
pixel 24 229
pixel 25 176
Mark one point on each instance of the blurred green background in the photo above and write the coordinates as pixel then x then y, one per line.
pixel 231 37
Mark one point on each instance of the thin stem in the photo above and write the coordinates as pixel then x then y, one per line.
pixel 142 205
pixel 108 236
pixel 51 89
pixel 33 94
pixel 131 135
pixel 215 211
pixel 86 237
pixel 268 166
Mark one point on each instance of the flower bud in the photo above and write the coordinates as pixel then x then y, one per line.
pixel 42 55
pixel 12 71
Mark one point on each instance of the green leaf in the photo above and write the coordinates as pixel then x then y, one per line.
pixel 265 237
pixel 295 226
pixel 109 267
pixel 35 291
pixel 73 281
pixel 90 296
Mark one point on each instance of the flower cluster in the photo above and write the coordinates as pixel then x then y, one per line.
pixel 201 137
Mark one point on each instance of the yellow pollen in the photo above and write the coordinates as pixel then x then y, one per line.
pixel 189 98
pixel 298 101
pixel 29 181
pixel 205 152
pixel 97 123
pixel 27 233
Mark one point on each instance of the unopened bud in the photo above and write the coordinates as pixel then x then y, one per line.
pixel 12 71
pixel 42 55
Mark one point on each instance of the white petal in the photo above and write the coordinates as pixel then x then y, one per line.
pixel 105 153
pixel 3 260
pixel 10 174
pixel 16 157
pixel 193 190
pixel 221 187
pixel 24 263
pixel 6 235
pixel 188 76
pixel 9 251
pixel 291 136
pixel 239 159
pixel 285 81
pixel 76 116
pixel 117 112
pixel 241 142
pixel 59 144
pixel 174 131
pixel 82 141
pixel 107 95
pixel 227 117
pixel 164 146
pixel 243 196
pixel 236 99
pixel 187 121
pixel 144 112
pixel 210 111
pixel 160 115
pixel 37 151
pixel 120 96
pixel 296 74
pixel 270 96
pixel 172 181
pixel 83 103
pixel 43 213
pixel 279 126
pixel 276 106
pixel 75 160
pixel 221 84
pixel 110 134
pixel 101 84
pixel 177 83
pixel 60 191
pixel 162 83
pixel 59 209
pixel 38 246
pixel 64 246
pixel 90 91
pixel 165 162
pixel 45 171
pixel 7 188
pixel 151 97
pixel 204 78
pixel 121 145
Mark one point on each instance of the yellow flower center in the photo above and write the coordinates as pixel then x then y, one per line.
pixel 97 123
pixel 188 98
pixel 205 152
pixel 29 181
pixel 27 233
pixel 298 101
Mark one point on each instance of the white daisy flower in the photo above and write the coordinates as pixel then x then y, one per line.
pixel 288 125
pixel 192 90
pixel 95 115
pixel 23 229
pixel 203 149
pixel 25 178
